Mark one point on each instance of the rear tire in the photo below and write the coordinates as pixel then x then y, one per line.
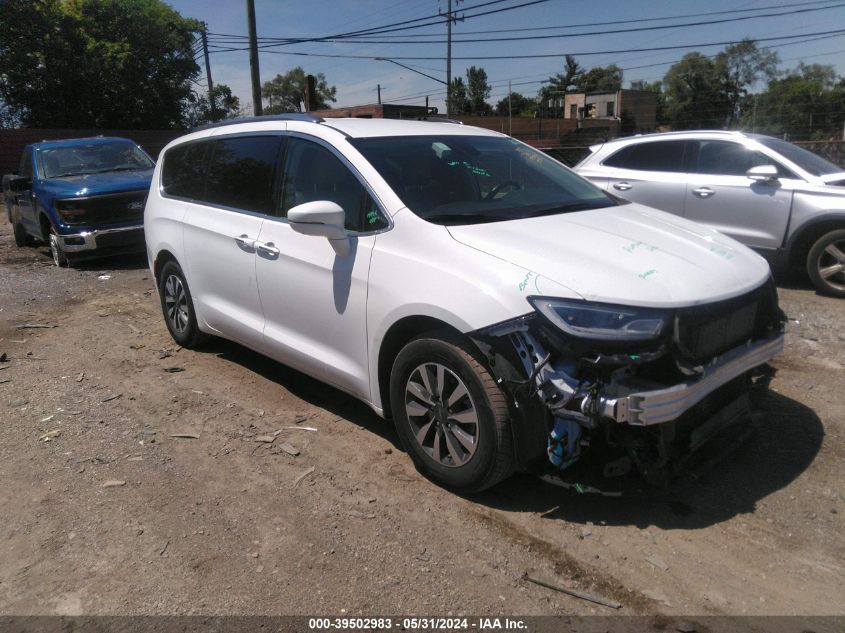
pixel 826 264
pixel 22 238
pixel 177 306
pixel 450 415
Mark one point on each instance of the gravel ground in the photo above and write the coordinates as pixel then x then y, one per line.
pixel 107 511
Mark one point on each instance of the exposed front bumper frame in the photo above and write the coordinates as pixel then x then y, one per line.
pixel 644 408
pixel 90 238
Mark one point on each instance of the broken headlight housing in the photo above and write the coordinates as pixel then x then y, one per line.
pixel 602 321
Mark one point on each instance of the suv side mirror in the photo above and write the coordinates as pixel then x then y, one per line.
pixel 763 173
pixel 323 218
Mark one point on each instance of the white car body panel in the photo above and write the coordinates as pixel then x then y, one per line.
pixel 629 255
pixel 327 315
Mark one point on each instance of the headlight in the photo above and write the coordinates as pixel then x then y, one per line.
pixel 70 212
pixel 602 321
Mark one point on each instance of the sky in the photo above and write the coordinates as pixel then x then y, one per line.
pixel 549 26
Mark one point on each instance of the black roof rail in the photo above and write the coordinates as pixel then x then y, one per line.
pixel 291 116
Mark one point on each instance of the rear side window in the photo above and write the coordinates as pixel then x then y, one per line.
pixel 657 156
pixel 241 171
pixel 313 173
pixel 182 174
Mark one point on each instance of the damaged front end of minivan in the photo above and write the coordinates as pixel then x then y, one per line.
pixel 598 390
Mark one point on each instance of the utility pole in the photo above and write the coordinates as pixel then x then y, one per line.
pixel 510 124
pixel 253 59
pixel 379 94
pixel 449 19
pixel 208 69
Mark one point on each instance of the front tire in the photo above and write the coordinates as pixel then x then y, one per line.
pixel 826 264
pixel 450 415
pixel 178 307
pixel 56 250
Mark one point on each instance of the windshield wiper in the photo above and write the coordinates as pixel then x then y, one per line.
pixel 462 218
pixel 565 208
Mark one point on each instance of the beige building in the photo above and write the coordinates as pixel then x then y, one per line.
pixel 636 109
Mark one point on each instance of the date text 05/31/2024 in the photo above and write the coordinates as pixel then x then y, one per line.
pixel 416 624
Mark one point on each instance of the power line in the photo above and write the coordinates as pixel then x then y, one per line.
pixel 582 34
pixel 551 55
pixel 607 23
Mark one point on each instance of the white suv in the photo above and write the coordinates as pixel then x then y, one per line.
pixel 506 313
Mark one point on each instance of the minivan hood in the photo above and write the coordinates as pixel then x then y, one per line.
pixel 628 254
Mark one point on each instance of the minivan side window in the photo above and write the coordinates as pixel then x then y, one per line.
pixel 240 172
pixel 183 174
pixel 725 158
pixel 313 173
pixel 657 156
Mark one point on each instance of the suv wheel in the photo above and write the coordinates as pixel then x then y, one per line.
pixel 450 415
pixel 56 250
pixel 178 307
pixel 826 264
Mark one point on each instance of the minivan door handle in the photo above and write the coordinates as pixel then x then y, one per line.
pixel 269 249
pixel 703 192
pixel 245 242
pixel 622 186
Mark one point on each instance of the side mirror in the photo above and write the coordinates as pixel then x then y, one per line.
pixel 322 218
pixel 20 183
pixel 763 173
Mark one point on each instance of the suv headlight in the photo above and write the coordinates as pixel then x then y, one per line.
pixel 602 321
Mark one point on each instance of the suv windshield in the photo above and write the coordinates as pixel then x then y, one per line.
pixel 805 159
pixel 93 158
pixel 475 179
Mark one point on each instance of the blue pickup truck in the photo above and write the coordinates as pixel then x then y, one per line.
pixel 84 197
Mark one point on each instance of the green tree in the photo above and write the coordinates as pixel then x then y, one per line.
pixel 478 90
pixel 600 79
pixel 741 66
pixel 226 106
pixel 458 101
pixel 807 103
pixel 286 93
pixel 519 104
pixel 694 95
pixel 96 63
pixel 562 82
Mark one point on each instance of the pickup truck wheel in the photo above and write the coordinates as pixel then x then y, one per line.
pixel 450 415
pixel 178 307
pixel 56 250
pixel 826 264
pixel 22 238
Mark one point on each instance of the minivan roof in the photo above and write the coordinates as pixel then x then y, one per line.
pixel 356 127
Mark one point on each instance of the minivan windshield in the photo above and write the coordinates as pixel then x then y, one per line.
pixel 475 179
pixel 805 159
pixel 92 158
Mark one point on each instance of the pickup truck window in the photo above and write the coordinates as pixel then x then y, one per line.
pixel 26 164
pixel 93 158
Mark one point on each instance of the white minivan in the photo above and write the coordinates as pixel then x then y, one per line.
pixel 503 311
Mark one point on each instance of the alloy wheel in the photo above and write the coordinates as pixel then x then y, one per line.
pixel 831 265
pixel 176 304
pixel 442 414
